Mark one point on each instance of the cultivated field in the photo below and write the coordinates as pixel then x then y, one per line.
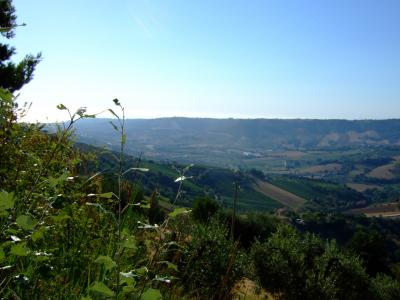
pixel 328 168
pixel 387 210
pixel 278 194
pixel 287 154
pixel 385 171
pixel 361 187
pixel 382 172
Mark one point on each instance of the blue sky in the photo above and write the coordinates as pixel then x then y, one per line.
pixel 248 59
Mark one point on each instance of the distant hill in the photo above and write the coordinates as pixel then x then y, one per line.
pixel 212 141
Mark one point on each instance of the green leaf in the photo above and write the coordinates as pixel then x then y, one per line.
pixel 151 294
pixel 114 126
pixel 129 243
pixel 136 169
pixel 20 250
pixel 81 111
pixel 106 261
pixel 5 95
pixel 89 116
pixel 101 289
pixel 38 234
pixel 56 181
pixel 61 217
pixel 53 182
pixel 86 298
pixel 41 258
pixel 12 231
pixel 128 278
pixel 169 265
pixel 111 111
pixel 123 139
pixel 26 222
pixel 128 289
pixel 187 168
pixel 6 200
pixel 164 279
pixel 61 106
pixel 146 205
pixel 106 195
pixel 6 29
pixel 116 102
pixel 99 206
pixel 141 271
pixel 2 255
pixel 178 211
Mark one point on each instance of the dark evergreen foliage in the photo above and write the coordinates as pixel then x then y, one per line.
pixel 13 75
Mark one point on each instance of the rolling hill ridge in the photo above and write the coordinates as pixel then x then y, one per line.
pixel 227 142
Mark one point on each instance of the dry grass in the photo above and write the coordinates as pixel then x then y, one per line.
pixel 246 289
pixel 278 194
pixel 387 210
pixel 361 187
pixel 358 170
pixel 291 154
pixel 385 171
pixel 382 172
pixel 328 139
pixel 384 214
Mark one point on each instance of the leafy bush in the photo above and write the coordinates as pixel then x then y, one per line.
pixel 252 227
pixel 385 288
pixel 204 209
pixel 211 262
pixel 369 245
pixel 297 267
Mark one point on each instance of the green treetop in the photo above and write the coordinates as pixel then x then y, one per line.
pixel 13 75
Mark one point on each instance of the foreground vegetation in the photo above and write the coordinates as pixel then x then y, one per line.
pixel 69 231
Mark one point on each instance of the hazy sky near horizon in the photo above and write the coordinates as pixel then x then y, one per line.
pixel 211 58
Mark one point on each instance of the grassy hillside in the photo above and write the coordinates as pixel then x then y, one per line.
pixel 293 191
pixel 320 194
pixel 204 181
pixel 282 195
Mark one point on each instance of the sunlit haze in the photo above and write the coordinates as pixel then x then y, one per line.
pixel 244 59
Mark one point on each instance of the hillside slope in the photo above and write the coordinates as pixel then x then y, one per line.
pixel 213 141
pixel 213 182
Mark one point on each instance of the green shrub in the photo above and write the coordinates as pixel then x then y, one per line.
pixel 204 209
pixel 211 263
pixel 156 213
pixel 338 275
pixel 250 227
pixel 385 288
pixel 370 246
pixel 297 267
